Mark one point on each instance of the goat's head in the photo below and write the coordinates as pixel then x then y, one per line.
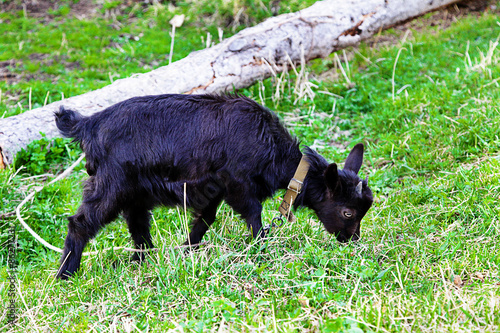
pixel 347 198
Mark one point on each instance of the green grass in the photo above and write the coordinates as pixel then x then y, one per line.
pixel 429 255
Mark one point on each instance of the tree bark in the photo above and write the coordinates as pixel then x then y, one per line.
pixel 237 62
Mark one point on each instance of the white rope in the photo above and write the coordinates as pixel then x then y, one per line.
pixel 43 241
pixel 32 194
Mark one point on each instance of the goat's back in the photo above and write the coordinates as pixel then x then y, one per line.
pixel 185 136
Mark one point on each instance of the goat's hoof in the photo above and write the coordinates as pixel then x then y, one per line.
pixel 138 257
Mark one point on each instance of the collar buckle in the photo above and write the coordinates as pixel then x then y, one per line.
pixel 295 185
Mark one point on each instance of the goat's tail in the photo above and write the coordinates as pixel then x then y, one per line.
pixel 67 122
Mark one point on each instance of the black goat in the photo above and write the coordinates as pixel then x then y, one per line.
pixel 141 151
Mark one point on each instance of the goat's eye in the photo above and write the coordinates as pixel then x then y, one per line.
pixel 347 214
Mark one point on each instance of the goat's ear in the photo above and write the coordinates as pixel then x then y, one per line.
pixel 331 176
pixel 355 158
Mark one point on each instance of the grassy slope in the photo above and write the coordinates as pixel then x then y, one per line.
pixel 429 257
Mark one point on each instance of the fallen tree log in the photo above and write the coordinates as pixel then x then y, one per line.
pixel 237 62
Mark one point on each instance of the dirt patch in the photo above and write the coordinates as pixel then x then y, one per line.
pixel 6 73
pixel 47 9
pixel 442 18
pixel 10 70
pixel 49 60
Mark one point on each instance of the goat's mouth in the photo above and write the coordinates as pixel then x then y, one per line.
pixel 343 238
pixel 342 235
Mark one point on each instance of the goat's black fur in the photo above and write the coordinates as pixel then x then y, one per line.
pixel 140 152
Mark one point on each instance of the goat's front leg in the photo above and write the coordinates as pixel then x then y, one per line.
pixel 254 223
pixel 251 212
pixel 250 209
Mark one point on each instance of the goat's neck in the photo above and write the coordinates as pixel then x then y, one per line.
pixel 316 169
pixel 288 167
pixel 314 183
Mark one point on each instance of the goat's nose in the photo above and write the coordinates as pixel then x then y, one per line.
pixel 342 238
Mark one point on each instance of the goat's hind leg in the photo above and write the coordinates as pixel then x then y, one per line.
pixel 96 211
pixel 82 227
pixel 138 224
pixel 78 236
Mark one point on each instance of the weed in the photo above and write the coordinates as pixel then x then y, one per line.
pixel 42 155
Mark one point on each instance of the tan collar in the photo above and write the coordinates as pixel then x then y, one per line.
pixel 294 188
